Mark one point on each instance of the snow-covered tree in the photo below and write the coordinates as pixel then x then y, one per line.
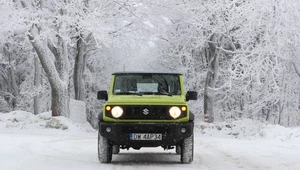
pixel 245 46
pixel 242 56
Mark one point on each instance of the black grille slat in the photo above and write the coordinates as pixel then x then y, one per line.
pixel 137 112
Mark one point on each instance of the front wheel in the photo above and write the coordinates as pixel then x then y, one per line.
pixel 187 150
pixel 104 149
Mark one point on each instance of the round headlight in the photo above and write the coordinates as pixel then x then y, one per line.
pixel 116 111
pixel 175 112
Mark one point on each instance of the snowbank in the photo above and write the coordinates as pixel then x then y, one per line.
pixel 249 129
pixel 42 121
pixel 241 129
pixel 17 119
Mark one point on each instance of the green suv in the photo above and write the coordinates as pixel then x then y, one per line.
pixel 146 110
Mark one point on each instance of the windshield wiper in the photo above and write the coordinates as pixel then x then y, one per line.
pixel 165 93
pixel 137 93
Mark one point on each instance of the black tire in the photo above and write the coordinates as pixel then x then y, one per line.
pixel 104 149
pixel 116 149
pixel 187 150
pixel 178 150
pixel 192 117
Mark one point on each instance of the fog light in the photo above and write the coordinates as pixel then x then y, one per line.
pixel 108 129
pixel 183 130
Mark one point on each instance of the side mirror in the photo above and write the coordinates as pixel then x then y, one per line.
pixel 102 95
pixel 191 95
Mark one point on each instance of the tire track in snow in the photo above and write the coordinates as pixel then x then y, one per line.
pixel 27 151
pixel 246 154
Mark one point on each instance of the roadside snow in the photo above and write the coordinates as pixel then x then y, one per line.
pixel 43 142
pixel 16 120
pixel 249 129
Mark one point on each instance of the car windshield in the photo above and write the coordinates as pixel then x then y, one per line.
pixel 153 84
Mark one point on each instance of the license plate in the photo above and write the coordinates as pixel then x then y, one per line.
pixel 145 136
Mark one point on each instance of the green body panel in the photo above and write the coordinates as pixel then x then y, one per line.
pixel 107 119
pixel 146 100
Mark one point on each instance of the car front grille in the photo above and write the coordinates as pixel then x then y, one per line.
pixel 146 112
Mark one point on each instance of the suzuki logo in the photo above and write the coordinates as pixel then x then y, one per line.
pixel 146 111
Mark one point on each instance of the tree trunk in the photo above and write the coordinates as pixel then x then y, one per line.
pixel 60 101
pixel 296 63
pixel 281 107
pixel 37 83
pixel 212 69
pixel 9 86
pixel 12 83
pixel 208 93
pixel 57 76
pixel 208 101
pixel 78 70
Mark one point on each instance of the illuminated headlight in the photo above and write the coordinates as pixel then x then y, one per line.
pixel 174 112
pixel 116 111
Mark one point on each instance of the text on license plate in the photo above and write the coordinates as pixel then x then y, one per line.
pixel 145 136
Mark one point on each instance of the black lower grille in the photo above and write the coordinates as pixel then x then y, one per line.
pixel 146 129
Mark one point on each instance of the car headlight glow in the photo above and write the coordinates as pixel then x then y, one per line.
pixel 117 111
pixel 174 112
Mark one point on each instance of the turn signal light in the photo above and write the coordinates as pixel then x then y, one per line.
pixel 108 108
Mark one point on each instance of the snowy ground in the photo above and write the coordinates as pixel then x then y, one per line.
pixel 42 143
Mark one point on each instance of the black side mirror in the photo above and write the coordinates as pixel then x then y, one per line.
pixel 191 95
pixel 102 95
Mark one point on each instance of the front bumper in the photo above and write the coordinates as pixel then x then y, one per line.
pixel 171 133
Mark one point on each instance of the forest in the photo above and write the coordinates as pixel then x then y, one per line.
pixel 241 56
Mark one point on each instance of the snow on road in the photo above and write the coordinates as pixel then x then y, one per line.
pixel 30 145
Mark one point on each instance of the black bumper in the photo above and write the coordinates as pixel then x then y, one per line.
pixel 171 133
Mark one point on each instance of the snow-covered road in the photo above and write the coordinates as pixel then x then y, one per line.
pixel 63 151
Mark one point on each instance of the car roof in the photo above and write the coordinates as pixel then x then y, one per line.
pixel 122 73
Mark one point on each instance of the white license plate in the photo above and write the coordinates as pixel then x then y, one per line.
pixel 145 136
